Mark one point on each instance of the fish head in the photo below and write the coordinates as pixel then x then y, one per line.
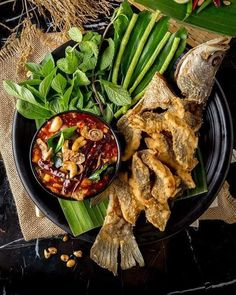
pixel 196 70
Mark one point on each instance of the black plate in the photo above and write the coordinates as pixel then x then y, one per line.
pixel 216 143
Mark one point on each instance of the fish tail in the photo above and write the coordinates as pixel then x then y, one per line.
pixel 130 253
pixel 105 252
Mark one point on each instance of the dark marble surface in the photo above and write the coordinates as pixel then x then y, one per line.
pixel 195 261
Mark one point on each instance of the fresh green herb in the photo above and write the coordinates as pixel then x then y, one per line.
pixel 45 85
pixel 68 64
pixel 32 111
pixel 116 94
pixel 75 34
pixel 48 66
pixel 19 91
pixel 108 55
pixel 33 67
pixel 80 78
pixel 63 135
pixel 59 83
pixel 96 176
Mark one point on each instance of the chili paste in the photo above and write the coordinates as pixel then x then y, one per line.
pixel 75 155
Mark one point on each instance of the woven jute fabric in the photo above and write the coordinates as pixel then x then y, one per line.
pixel 33 46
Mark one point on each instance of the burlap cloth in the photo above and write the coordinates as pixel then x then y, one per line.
pixel 33 46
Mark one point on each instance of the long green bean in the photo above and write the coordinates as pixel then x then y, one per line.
pixel 151 61
pixel 170 55
pixel 139 49
pixel 122 48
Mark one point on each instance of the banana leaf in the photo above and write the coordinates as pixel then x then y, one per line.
pixel 199 177
pixel 221 20
pixel 81 217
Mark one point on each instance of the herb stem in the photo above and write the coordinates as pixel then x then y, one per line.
pixel 122 48
pixel 150 61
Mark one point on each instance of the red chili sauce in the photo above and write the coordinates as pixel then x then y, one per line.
pixel 79 163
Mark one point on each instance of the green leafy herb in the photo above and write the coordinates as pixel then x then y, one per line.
pixel 45 85
pixel 68 64
pixel 59 83
pixel 19 91
pixel 31 82
pixel 96 176
pixel 32 111
pixel 108 55
pixel 80 78
pixel 75 34
pixel 48 67
pixel 33 67
pixel 108 113
pixel 116 93
pixel 66 97
pixel 63 135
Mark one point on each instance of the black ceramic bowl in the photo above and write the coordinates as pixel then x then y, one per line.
pixel 33 142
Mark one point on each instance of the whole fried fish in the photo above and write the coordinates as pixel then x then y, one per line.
pixel 196 70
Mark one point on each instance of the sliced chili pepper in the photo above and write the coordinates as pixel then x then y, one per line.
pixel 195 3
pixel 217 3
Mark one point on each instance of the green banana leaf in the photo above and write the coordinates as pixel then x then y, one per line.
pixel 221 20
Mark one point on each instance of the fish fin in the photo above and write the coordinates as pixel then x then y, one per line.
pixel 105 252
pixel 130 253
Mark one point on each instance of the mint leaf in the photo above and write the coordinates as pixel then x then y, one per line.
pixel 108 113
pixel 108 55
pixel 88 64
pixel 75 34
pixel 80 78
pixel 116 93
pixel 34 68
pixel 89 48
pixel 68 64
pixel 59 83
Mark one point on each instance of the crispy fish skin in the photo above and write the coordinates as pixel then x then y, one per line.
pixel 196 70
pixel 154 200
pixel 132 136
pixel 140 180
pixel 116 233
pixel 130 208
